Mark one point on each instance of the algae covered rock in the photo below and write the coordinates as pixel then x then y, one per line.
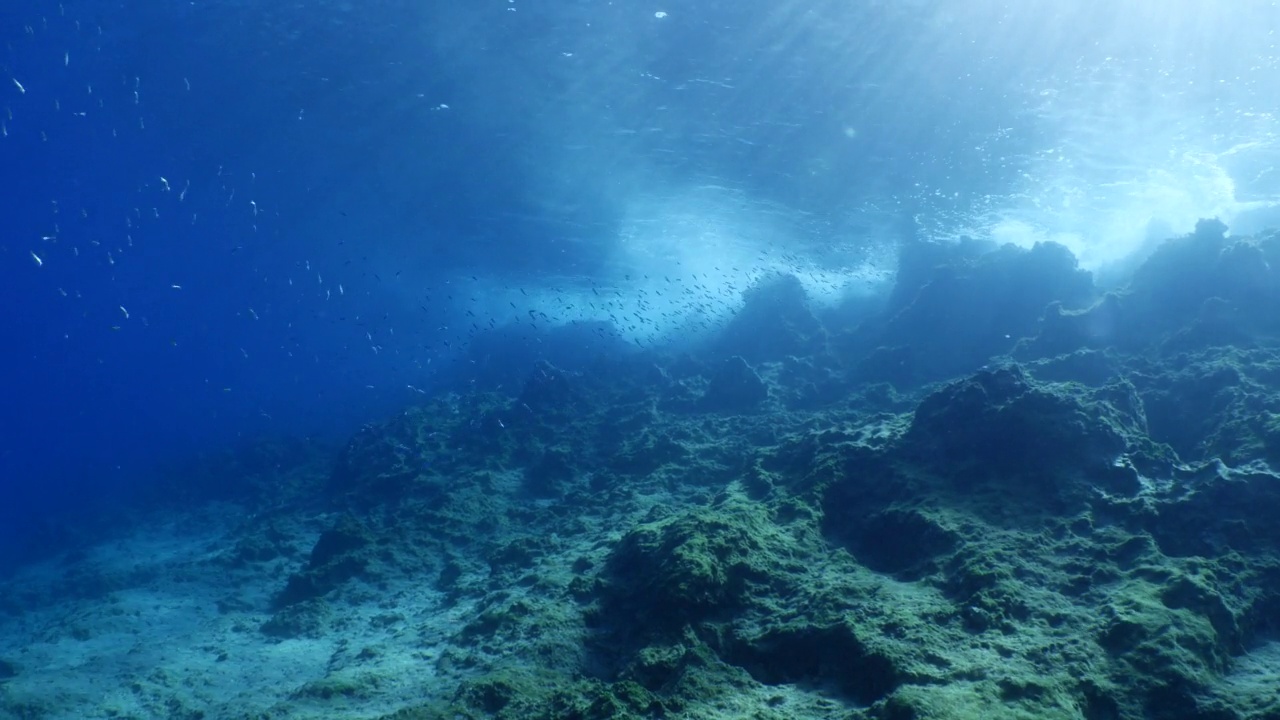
pixel 686 568
pixel 1000 428
pixel 338 555
pixel 304 619
pixel 681 569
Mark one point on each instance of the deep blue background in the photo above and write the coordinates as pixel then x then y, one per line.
pixel 330 120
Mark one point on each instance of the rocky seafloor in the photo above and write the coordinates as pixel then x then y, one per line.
pixel 1001 493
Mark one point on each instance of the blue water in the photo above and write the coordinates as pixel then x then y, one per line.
pixel 230 220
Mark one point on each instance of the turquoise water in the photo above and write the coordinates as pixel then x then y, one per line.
pixel 611 359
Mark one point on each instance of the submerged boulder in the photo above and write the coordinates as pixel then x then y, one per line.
pixel 341 553
pixel 999 429
pixel 972 307
pixel 775 321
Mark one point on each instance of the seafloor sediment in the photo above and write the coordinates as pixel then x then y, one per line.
pixel 1003 493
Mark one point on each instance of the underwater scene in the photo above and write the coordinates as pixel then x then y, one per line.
pixel 590 359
